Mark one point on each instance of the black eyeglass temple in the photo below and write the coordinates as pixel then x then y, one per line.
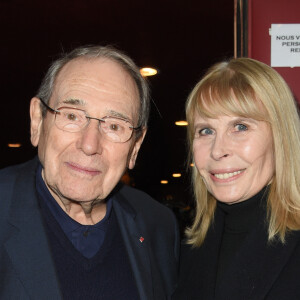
pixel 48 107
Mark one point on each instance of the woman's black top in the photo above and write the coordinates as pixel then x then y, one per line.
pixel 239 219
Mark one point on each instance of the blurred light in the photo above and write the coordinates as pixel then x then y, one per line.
pixel 169 197
pixel 176 175
pixel 14 145
pixel 181 123
pixel 164 181
pixel 148 71
pixel 192 165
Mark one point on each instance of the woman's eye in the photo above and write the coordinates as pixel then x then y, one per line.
pixel 241 127
pixel 204 131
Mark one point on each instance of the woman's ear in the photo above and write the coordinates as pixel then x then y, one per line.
pixel 36 120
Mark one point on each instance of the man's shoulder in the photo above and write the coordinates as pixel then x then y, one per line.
pixel 154 219
pixel 146 206
pixel 139 198
pixel 11 171
pixel 8 184
pixel 133 193
pixel 9 174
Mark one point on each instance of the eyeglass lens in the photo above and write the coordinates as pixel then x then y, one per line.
pixel 74 120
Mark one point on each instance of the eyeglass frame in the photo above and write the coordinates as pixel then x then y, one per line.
pixel 89 118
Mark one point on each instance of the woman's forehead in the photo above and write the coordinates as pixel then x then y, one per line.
pixel 213 104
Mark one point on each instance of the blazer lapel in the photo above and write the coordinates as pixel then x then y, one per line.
pixel 257 266
pixel 27 247
pixel 136 245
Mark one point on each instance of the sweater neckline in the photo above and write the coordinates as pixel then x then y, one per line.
pixel 242 216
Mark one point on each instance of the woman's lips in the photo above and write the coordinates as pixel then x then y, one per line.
pixel 225 176
pixel 82 169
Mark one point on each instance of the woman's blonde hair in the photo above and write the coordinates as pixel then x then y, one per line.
pixel 249 88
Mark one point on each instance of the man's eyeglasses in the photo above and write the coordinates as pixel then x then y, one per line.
pixel 70 119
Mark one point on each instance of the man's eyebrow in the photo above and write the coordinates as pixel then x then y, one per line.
pixel 114 113
pixel 73 102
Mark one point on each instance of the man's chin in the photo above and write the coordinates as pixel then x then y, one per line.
pixel 81 198
pixel 78 195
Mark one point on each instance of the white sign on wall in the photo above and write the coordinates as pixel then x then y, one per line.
pixel 285 45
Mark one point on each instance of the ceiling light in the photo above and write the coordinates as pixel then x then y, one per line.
pixel 176 175
pixel 14 145
pixel 148 71
pixel 164 182
pixel 181 123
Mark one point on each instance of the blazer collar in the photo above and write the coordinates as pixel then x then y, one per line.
pixel 136 242
pixel 27 247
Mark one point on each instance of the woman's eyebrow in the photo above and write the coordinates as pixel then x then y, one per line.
pixel 202 124
pixel 243 119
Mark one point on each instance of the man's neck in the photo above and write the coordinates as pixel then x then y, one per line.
pixel 85 213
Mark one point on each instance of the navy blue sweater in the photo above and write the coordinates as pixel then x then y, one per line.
pixel 107 275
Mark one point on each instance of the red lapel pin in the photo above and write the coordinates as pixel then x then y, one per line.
pixel 141 239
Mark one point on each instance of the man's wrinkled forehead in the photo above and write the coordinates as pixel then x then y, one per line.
pixel 102 76
pixel 78 69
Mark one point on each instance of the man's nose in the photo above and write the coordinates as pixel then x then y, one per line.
pixel 221 146
pixel 91 139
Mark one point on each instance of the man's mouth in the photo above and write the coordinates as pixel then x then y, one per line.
pixel 83 169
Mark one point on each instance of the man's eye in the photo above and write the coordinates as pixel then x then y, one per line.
pixel 241 127
pixel 115 127
pixel 72 117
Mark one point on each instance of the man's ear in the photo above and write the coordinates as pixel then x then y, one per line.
pixel 136 148
pixel 36 120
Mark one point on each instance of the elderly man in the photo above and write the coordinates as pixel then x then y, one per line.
pixel 68 228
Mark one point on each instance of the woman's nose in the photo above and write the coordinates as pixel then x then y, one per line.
pixel 221 147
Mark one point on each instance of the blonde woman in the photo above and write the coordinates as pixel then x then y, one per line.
pixel 244 137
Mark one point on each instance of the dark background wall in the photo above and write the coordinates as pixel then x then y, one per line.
pixel 180 38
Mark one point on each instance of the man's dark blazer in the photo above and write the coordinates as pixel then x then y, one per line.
pixel 258 271
pixel 26 267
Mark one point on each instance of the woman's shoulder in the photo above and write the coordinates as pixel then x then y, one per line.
pixel 190 273
pixel 189 255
